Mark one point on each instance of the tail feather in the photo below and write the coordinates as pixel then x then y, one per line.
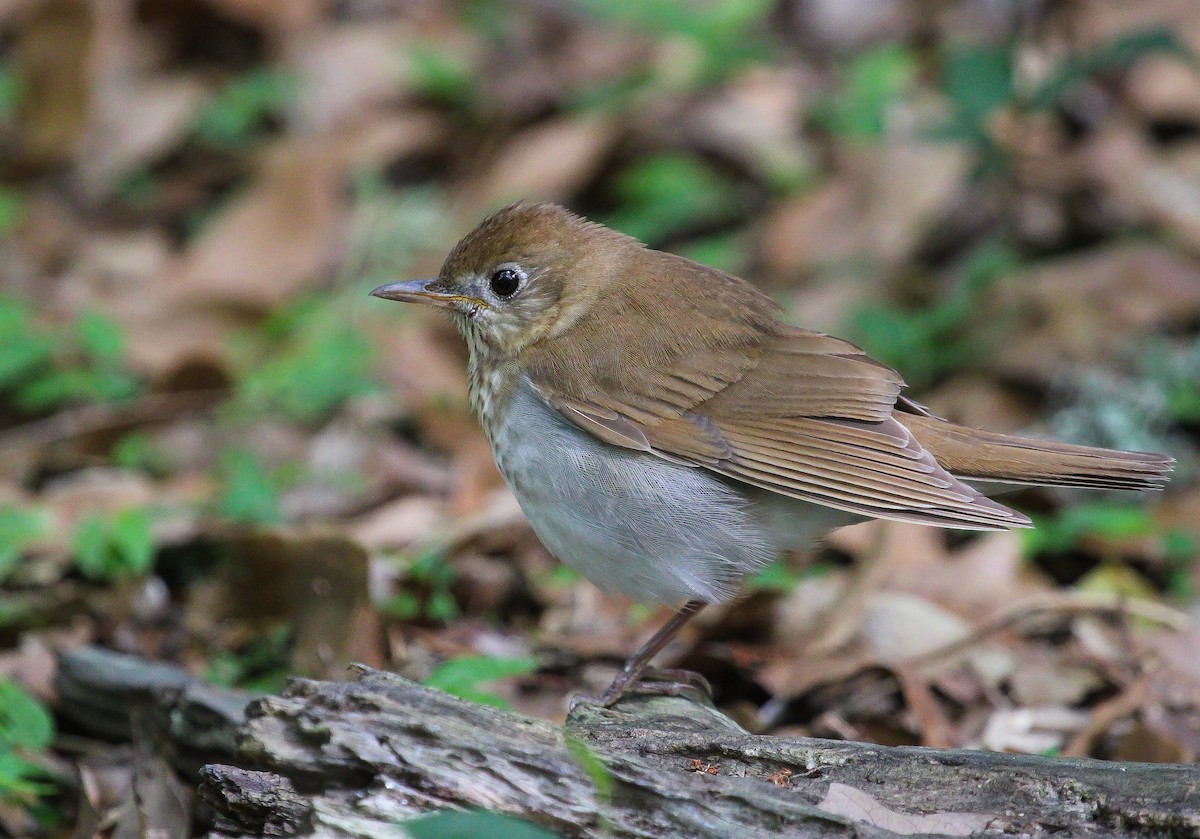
pixel 985 455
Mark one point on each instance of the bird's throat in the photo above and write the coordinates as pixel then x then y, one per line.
pixel 491 381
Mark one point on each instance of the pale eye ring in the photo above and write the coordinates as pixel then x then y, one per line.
pixel 505 282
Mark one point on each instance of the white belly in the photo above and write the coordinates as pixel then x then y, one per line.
pixel 634 523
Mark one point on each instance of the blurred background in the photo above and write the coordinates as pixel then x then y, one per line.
pixel 216 451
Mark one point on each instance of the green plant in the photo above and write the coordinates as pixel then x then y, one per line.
pixel 591 763
pixel 460 824
pixel 306 361
pixel 980 79
pixel 244 106
pixel 26 729
pixel 728 251
pixel 114 545
pixel 1176 372
pixel 261 665
pixel 727 34
pixel 12 90
pixel 780 577
pixel 870 85
pixel 441 76
pixel 462 676
pixel 1115 55
pixel 249 493
pixel 19 528
pixel 12 210
pixel 927 342
pixel 1115 521
pixel 1064 530
pixel 663 195
pixel 138 450
pixel 42 367
pixel 425 592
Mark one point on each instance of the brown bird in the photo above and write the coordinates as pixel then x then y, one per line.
pixel 666 433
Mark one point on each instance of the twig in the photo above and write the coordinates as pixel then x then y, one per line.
pixel 88 419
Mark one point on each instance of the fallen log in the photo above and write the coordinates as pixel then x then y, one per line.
pixel 342 759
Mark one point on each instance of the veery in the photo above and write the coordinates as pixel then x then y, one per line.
pixel 667 434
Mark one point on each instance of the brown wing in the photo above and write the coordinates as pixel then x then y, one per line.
pixel 795 412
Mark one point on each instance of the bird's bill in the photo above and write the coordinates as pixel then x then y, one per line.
pixel 422 291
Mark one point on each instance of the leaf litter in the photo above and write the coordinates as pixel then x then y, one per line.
pixel 282 478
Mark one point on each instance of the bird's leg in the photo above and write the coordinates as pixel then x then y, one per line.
pixel 674 681
pixel 636 664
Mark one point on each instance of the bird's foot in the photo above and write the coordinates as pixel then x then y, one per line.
pixel 653 682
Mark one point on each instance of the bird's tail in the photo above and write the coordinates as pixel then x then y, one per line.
pixel 984 455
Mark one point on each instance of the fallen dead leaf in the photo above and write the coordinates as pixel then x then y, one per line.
pixel 544 163
pixel 278 237
pixel 859 806
pixel 1031 730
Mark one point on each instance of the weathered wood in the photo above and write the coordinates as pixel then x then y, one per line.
pixel 354 758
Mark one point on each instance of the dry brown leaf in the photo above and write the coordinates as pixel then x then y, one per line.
pixel 987 572
pixel 50 57
pixel 1031 730
pixel 979 401
pixel 901 626
pixel 346 74
pixel 278 237
pixel 547 162
pixel 277 17
pixel 405 522
pixel 134 115
pixel 911 185
pixel 818 228
pixel 318 582
pixel 1045 679
pixel 931 720
pixel 859 806
pixel 1164 88
pixel 1088 308
pixel 1144 744
pixel 1158 185
pixel 754 120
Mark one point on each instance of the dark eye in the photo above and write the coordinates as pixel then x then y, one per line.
pixel 505 282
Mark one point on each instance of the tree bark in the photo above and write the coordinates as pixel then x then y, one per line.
pixel 342 759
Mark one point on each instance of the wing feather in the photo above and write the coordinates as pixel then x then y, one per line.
pixel 793 411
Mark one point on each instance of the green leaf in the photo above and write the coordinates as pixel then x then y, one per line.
pixel 442 76
pixel 313 361
pixel 138 450
pixel 91 548
pixel 869 89
pixel 1106 520
pixel 119 544
pixel 471 824
pixel 24 349
pixel 234 116
pixel 1117 55
pixel 593 765
pixel 24 722
pixel 248 494
pixel 11 91
pixel 18 529
pixel 460 676
pixel 99 338
pixel 665 194
pixel 262 665
pixel 978 79
pixel 12 210
pixel 18 779
pixel 132 540
pixel 728 34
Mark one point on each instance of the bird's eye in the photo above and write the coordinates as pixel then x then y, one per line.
pixel 505 282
